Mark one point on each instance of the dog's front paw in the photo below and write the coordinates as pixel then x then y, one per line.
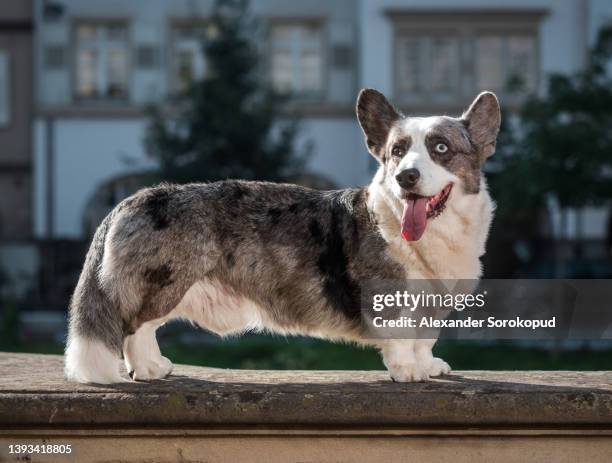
pixel 151 369
pixel 437 367
pixel 408 373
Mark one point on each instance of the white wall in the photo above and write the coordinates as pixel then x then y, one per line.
pixel 339 151
pixel 87 153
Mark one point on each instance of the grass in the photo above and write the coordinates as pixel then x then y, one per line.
pixel 268 352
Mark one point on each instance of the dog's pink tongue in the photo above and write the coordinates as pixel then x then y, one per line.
pixel 414 219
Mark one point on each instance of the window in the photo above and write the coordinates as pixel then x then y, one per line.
pixel 489 62
pixel 444 65
pixel 296 59
pixel 427 64
pixel 447 57
pixel 408 59
pixel 101 61
pixel 5 90
pixel 506 63
pixel 187 56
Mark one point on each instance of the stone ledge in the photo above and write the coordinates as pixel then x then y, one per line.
pixel 33 393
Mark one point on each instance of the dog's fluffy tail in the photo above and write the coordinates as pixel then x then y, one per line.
pixel 95 331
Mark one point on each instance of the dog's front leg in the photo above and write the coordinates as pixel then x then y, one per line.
pixel 400 359
pixel 434 366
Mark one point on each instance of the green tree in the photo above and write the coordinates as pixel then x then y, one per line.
pixel 563 141
pixel 558 144
pixel 228 124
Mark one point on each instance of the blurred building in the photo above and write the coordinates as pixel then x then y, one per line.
pixel 16 116
pixel 101 62
pixel 96 64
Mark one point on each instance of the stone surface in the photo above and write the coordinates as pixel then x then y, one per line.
pixel 34 393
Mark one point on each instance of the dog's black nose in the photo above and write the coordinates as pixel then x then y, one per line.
pixel 408 178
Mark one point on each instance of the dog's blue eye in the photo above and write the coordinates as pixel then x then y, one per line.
pixel 441 148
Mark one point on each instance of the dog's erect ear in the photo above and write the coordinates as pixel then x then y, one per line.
pixel 376 117
pixel 482 120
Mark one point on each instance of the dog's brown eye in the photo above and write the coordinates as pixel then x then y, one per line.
pixel 398 150
pixel 441 148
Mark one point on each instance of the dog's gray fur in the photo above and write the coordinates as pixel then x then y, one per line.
pixel 297 252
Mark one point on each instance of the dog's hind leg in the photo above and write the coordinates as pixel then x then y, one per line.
pixel 141 353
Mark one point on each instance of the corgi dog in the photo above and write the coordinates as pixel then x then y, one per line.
pixel 235 256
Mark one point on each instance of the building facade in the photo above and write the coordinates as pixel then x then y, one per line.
pixel 99 63
pixel 16 115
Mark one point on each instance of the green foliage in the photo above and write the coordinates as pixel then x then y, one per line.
pixel 564 141
pixel 271 353
pixel 10 325
pixel 514 182
pixel 227 124
pixel 267 352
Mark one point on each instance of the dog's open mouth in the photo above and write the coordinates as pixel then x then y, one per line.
pixel 418 209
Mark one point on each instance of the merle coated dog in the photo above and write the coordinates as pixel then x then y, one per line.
pixel 234 256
